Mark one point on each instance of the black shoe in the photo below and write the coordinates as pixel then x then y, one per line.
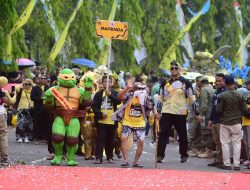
pixel 214 164
pixel 160 160
pixel 119 156
pixel 184 159
pixel 237 168
pixel 89 158
pixel 224 167
pixel 79 153
pixel 5 162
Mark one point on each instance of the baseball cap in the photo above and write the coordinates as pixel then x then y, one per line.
pixel 174 63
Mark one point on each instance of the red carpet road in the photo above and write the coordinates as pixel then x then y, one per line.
pixel 47 177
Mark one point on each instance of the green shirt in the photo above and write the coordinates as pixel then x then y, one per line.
pixel 230 107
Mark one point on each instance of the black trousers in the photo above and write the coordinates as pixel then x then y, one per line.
pixel 166 123
pixel 105 138
pixel 42 126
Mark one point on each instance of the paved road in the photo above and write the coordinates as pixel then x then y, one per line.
pixel 35 154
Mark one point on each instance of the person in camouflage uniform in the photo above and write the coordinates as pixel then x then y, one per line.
pixel 205 106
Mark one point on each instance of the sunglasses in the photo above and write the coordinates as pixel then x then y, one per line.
pixel 141 88
pixel 27 84
pixel 174 68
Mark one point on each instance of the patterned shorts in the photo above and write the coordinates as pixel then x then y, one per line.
pixel 138 133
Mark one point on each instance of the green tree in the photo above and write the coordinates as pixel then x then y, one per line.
pixel 160 29
pixel 131 12
pixel 82 34
pixel 8 17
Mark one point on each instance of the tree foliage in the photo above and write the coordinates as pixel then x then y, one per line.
pixel 154 21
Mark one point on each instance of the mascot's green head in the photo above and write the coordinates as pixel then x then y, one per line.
pixel 67 78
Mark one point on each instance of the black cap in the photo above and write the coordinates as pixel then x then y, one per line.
pixel 174 63
pixel 229 80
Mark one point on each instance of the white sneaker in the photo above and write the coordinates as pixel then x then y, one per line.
pixel 26 140
pixel 19 140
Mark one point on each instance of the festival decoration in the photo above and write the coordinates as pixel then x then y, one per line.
pixel 242 52
pixel 170 55
pixel 237 72
pixel 239 52
pixel 59 44
pixel 186 40
pixel 67 103
pixel 204 61
pixel 22 20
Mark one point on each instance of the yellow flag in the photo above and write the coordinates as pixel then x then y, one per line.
pixel 170 55
pixel 112 14
pixel 59 44
pixel 238 56
pixel 24 17
pixel 105 51
pixel 19 23
pixel 8 56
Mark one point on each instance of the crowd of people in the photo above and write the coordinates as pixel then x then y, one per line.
pixel 208 120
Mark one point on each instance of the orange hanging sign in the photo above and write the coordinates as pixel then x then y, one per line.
pixel 112 29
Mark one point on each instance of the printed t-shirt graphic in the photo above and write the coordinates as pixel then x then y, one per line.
pixel 110 111
pixel 133 114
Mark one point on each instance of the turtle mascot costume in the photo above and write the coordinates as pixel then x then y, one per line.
pixel 67 102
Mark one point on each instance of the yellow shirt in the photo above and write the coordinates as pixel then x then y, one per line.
pixel 110 111
pixel 133 116
pixel 176 102
pixel 25 101
pixel 245 120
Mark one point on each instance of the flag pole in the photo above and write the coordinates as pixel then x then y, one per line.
pixel 156 139
pixel 108 66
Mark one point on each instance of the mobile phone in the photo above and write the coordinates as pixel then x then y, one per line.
pixel 13 88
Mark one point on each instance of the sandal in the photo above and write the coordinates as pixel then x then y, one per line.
pixel 97 161
pixel 125 164
pixel 50 157
pixel 111 161
pixel 137 165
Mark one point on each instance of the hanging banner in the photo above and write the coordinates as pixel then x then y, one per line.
pixel 170 55
pixel 238 54
pixel 140 53
pixel 186 42
pixel 22 20
pixel 49 16
pixel 243 55
pixel 24 17
pixel 8 58
pixel 59 44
